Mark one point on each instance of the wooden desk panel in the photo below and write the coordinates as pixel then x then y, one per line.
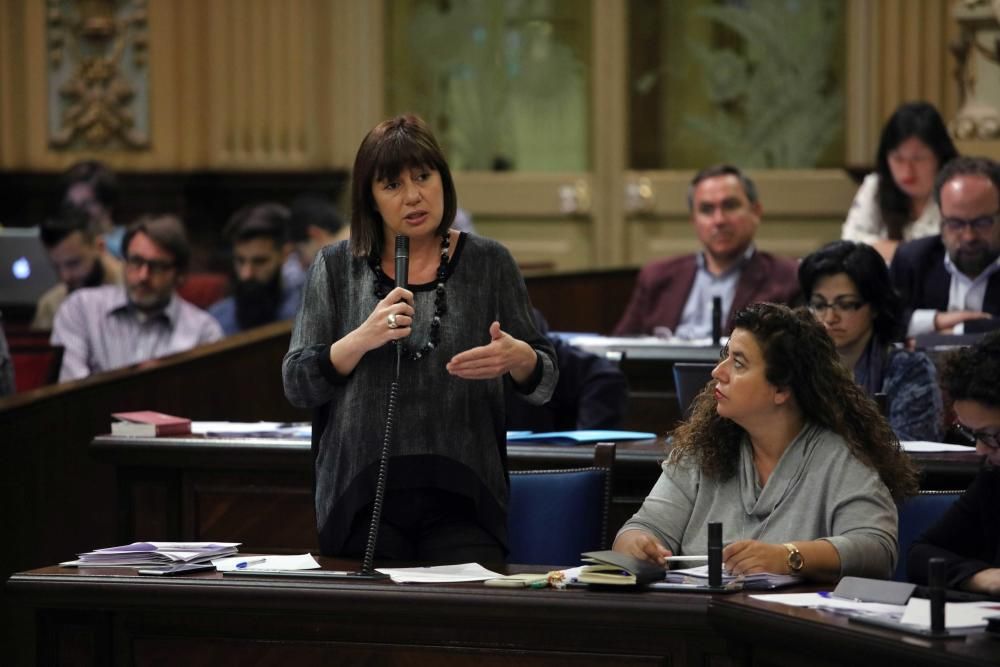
pixel 591 301
pixel 56 500
pixel 213 488
pixel 89 617
pixel 114 617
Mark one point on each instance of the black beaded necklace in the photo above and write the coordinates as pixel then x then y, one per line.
pixel 440 305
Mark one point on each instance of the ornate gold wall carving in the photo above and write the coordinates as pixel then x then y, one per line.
pixel 98 81
pixel 245 84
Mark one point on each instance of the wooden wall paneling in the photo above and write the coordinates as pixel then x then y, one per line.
pixel 862 115
pixel 13 97
pixel 351 76
pixel 802 210
pixel 896 52
pixel 608 131
pixel 587 301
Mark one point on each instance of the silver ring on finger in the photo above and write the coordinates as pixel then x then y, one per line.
pixel 393 324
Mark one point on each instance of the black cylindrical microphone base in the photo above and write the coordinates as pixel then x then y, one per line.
pixel 936 593
pixel 715 554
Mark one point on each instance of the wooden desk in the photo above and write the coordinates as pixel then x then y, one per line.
pixel 259 491
pixel 117 618
pixel 55 499
pixel 782 636
pixel 114 617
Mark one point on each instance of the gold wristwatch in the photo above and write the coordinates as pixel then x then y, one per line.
pixel 795 560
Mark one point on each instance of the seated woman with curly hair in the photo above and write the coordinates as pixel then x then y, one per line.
pixel 788 452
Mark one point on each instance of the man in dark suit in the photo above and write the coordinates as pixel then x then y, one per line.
pixel 954 277
pixel 675 296
pixel 592 392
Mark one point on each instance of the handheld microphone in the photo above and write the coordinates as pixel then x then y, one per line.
pixel 402 278
pixel 402 260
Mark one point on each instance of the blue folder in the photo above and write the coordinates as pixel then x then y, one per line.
pixel 578 437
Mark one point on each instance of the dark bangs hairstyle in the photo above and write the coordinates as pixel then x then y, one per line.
pixel 913 119
pixel 800 356
pixel 867 270
pixel 393 145
pixel 166 231
pixel 261 221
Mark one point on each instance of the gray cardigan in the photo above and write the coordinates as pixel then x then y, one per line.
pixel 450 433
pixel 818 490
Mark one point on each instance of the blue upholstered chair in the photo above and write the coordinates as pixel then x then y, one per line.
pixel 689 379
pixel 555 515
pixel 916 515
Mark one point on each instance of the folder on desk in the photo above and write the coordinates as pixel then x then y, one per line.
pixel 578 437
pixel 696 578
pixel 613 568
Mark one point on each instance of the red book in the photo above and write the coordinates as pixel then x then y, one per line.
pixel 148 423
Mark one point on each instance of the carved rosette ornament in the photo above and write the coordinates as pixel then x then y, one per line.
pixel 98 75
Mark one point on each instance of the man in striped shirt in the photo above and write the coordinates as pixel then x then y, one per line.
pixel 108 327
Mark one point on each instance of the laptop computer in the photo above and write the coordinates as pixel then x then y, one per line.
pixel 25 270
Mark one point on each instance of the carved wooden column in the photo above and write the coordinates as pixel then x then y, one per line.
pixel 977 76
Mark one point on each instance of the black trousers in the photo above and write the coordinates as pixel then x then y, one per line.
pixel 425 526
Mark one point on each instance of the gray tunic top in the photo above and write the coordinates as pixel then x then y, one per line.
pixel 450 433
pixel 818 490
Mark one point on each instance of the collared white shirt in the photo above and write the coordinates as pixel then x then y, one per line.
pixel 101 330
pixel 964 293
pixel 696 318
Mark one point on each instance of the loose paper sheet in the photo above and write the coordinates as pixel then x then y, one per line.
pixel 439 574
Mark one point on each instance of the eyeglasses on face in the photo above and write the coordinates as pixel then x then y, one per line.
pixel 159 266
pixel 914 159
pixel 978 225
pixel 991 440
pixel 839 306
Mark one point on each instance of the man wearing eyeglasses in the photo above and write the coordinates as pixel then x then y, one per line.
pixel 954 277
pixel 968 535
pixel 108 327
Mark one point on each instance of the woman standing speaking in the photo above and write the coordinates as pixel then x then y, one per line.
pixel 466 328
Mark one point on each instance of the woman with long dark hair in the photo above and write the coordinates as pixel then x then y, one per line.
pixel 788 453
pixel 895 202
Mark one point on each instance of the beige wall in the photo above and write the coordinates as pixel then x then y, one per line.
pixel 294 84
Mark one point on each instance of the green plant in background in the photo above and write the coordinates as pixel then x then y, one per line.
pixel 495 81
pixel 773 89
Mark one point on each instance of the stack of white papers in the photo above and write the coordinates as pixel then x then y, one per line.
pixel 439 574
pixel 266 563
pixel 957 615
pixel 762 580
pixel 829 602
pixel 143 554
pixel 290 430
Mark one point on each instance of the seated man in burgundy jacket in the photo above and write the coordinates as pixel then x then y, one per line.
pixel 674 296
